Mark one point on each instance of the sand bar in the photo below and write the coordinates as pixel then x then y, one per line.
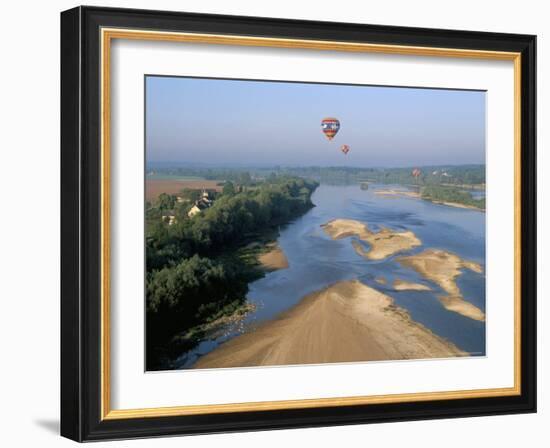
pixel 384 243
pixel 381 280
pixel 274 259
pixel 402 193
pixel 443 268
pixel 402 285
pixel 456 205
pixel 346 322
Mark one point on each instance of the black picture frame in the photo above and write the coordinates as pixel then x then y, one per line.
pixel 81 224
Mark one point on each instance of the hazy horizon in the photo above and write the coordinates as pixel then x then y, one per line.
pixel 152 164
pixel 233 123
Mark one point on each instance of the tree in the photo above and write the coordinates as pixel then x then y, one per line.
pixel 166 201
pixel 229 188
pixel 245 178
pixel 194 273
pixel 190 194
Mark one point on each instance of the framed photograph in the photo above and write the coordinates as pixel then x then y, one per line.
pixel 272 223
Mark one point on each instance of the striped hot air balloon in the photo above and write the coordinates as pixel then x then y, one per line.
pixel 416 172
pixel 345 149
pixel 330 127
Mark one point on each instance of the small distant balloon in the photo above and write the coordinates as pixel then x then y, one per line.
pixel 330 127
pixel 345 149
pixel 416 172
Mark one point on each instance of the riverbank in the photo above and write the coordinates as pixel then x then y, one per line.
pixel 455 204
pixel 346 322
pixel 383 243
pixel 233 315
pixel 416 195
pixel 443 268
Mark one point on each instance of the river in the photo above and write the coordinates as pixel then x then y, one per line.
pixel 316 261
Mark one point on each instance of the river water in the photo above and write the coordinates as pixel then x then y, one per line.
pixel 316 261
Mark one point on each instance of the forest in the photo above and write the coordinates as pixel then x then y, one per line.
pixel 197 270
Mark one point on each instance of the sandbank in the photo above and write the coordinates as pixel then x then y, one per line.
pixel 402 285
pixel 384 243
pixel 443 268
pixel 274 259
pixel 381 280
pixel 345 322
pixel 402 193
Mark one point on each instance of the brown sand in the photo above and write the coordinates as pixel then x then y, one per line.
pixel 381 280
pixel 346 322
pixel 384 243
pixel 154 187
pixel 274 259
pixel 443 268
pixel 458 205
pixel 402 193
pixel 402 285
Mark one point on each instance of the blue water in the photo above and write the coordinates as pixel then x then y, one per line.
pixel 316 261
pixel 477 194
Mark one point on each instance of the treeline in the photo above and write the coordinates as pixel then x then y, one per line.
pixel 451 194
pixel 194 271
pixel 460 175
pixel 429 175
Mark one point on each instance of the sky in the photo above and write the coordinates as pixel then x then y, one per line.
pixel 197 122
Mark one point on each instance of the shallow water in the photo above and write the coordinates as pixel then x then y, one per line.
pixel 316 261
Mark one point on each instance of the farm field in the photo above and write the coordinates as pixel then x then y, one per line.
pixel 154 187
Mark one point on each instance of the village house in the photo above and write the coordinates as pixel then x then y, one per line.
pixel 200 204
pixel 170 219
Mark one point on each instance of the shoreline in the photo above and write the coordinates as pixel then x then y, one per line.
pixel 217 324
pixel 415 195
pixel 345 322
pixel 455 204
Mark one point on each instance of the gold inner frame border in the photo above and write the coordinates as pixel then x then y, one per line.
pixel 107 35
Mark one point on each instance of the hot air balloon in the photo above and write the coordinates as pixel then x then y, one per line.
pixel 330 127
pixel 345 149
pixel 416 174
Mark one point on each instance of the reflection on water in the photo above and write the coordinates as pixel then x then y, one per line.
pixel 316 261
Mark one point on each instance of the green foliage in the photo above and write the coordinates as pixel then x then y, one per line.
pixel 192 289
pixel 451 194
pixel 193 270
pixel 190 195
pixel 439 175
pixel 229 188
pixel 430 175
pixel 230 221
pixel 244 178
pixel 165 202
